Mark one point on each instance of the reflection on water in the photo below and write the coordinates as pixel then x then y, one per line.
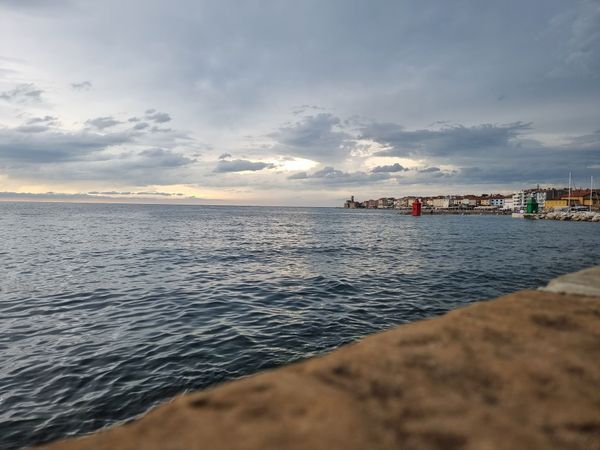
pixel 106 310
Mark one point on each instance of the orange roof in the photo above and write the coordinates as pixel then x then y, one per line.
pixel 579 193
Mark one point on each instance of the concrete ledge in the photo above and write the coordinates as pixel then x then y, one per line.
pixel 518 372
pixel 584 282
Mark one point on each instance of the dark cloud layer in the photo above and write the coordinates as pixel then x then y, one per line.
pixel 103 122
pixel 140 125
pixel 240 165
pixel 37 150
pixel 331 176
pixel 316 137
pixel 54 147
pixel 455 140
pixel 396 167
pixel 156 116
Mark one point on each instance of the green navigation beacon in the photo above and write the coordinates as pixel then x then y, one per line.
pixel 532 206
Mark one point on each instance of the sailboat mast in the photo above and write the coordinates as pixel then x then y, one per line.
pixel 591 192
pixel 569 197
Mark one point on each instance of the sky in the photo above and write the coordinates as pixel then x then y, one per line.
pixel 295 102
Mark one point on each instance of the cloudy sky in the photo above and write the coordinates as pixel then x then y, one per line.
pixel 295 102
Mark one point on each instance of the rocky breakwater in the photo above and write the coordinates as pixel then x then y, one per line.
pixel 579 216
pixel 518 372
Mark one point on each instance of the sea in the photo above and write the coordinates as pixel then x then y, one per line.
pixel 107 310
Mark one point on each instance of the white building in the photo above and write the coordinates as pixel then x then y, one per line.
pixel 508 203
pixel 519 200
pixel 521 197
pixel 540 197
pixel 442 202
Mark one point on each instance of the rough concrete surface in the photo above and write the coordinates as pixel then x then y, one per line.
pixel 518 372
pixel 584 282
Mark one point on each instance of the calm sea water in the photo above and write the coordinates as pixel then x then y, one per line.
pixel 106 310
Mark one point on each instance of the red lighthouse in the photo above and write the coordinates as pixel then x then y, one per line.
pixel 416 207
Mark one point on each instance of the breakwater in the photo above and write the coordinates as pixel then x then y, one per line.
pixel 521 371
pixel 458 212
pixel 575 216
pixel 580 216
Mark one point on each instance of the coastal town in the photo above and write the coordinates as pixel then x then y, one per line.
pixel 545 199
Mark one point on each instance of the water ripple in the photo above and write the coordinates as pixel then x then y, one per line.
pixel 107 310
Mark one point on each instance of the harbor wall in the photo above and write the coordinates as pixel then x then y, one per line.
pixel 518 372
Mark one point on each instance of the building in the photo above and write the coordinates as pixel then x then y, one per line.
pixel 469 200
pixel 508 203
pixel 443 202
pixel 520 198
pixel 352 204
pixel 581 197
pixel 540 197
pixel 385 203
pixel 496 200
pixel 427 201
pixel 578 198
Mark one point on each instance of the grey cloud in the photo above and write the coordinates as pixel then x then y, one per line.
pixel 38 151
pixel 133 197
pixel 298 176
pixel 430 170
pixel 82 86
pixel 156 129
pixel 53 147
pixel 314 137
pixel 587 141
pixel 297 110
pixel 43 196
pixel 153 166
pixel 158 117
pixel 133 119
pixel 103 122
pixel 38 124
pixel 32 128
pixel 433 176
pixel 158 157
pixel 23 93
pixel 162 194
pixel 403 54
pixel 449 141
pixel 582 51
pixel 240 165
pixel 48 120
pixel 331 176
pixel 396 167
pixel 225 156
pixel 485 153
pixel 140 125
